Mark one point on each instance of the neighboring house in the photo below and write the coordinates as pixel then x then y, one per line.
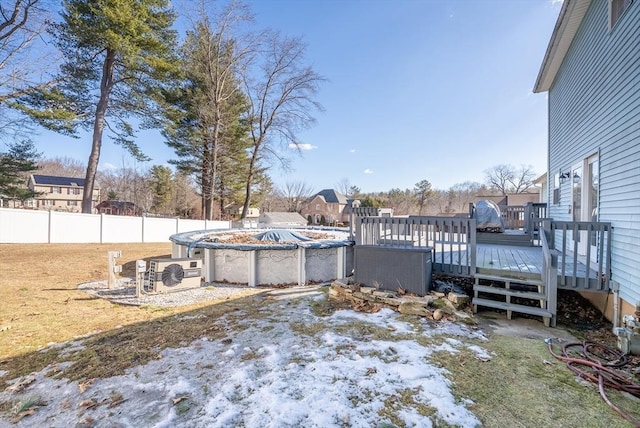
pixel 59 193
pixel 541 183
pixel 118 208
pixel 236 211
pixel 327 204
pixel 281 219
pixel 591 73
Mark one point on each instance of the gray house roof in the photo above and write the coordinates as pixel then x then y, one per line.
pixel 282 218
pixel 51 180
pixel 567 25
pixel 332 197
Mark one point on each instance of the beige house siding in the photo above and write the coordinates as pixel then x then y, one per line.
pixel 59 197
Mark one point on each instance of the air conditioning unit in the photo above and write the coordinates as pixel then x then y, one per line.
pixel 167 275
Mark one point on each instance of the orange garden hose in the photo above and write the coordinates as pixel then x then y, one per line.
pixel 596 363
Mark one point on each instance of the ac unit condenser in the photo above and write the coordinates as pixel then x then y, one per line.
pixel 167 275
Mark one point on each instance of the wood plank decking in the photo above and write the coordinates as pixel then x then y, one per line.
pixel 517 261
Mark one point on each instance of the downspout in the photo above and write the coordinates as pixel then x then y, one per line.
pixel 615 286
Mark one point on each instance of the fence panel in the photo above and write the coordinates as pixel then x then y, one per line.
pixel 117 228
pixel 188 225
pixel 74 228
pixel 34 226
pixel 25 226
pixel 158 229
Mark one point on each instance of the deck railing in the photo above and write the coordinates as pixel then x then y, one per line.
pixel 513 216
pixel 549 271
pixel 523 216
pixel 452 240
pixel 582 243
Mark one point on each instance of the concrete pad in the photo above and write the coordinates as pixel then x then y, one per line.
pixel 521 327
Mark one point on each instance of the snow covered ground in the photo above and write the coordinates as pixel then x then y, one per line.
pixel 285 368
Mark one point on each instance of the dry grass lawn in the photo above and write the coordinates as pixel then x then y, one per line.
pixel 39 302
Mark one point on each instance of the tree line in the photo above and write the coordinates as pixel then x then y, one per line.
pixel 160 191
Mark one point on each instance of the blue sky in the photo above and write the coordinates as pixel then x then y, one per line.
pixel 435 90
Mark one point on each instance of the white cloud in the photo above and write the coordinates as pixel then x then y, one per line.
pixel 302 146
pixel 107 165
pixel 368 171
pixel 352 151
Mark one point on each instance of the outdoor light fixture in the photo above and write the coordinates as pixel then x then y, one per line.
pixel 566 175
pixel 576 178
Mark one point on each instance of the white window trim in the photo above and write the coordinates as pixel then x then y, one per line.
pixel 626 4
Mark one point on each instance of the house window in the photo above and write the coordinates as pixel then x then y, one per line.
pixel 73 191
pixel 556 189
pixel 616 9
pixel 47 202
pixel 317 207
pixel 56 190
pixel 72 203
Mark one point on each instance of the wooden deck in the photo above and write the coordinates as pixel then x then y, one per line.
pixel 505 260
pixel 458 249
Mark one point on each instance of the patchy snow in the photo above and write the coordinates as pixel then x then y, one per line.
pixel 276 372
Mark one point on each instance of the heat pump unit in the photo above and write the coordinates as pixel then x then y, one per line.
pixel 167 275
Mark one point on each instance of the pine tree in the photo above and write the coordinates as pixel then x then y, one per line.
pixel 204 124
pixel 15 165
pixel 122 47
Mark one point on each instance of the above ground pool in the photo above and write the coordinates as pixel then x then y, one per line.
pixel 269 257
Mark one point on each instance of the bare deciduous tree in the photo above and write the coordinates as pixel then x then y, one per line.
pixel 343 186
pixel 464 193
pixel 509 179
pixel 281 92
pixel 62 166
pixel 128 184
pixel 22 22
pixel 293 194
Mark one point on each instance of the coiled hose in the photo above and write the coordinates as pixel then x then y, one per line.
pixel 596 363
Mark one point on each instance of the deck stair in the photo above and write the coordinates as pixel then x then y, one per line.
pixel 497 292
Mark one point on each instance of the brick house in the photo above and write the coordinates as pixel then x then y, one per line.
pixel 327 204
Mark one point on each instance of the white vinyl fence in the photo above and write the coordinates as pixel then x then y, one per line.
pixel 29 226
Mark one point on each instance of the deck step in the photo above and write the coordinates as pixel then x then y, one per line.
pixel 495 278
pixel 503 239
pixel 508 292
pixel 523 309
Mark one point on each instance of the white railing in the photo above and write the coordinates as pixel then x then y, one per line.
pixel 32 226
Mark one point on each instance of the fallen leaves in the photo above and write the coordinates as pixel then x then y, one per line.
pixel 88 404
pixel 82 386
pixel 19 386
pixel 179 399
pixel 27 408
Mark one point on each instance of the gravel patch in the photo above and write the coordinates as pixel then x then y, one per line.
pixel 124 293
